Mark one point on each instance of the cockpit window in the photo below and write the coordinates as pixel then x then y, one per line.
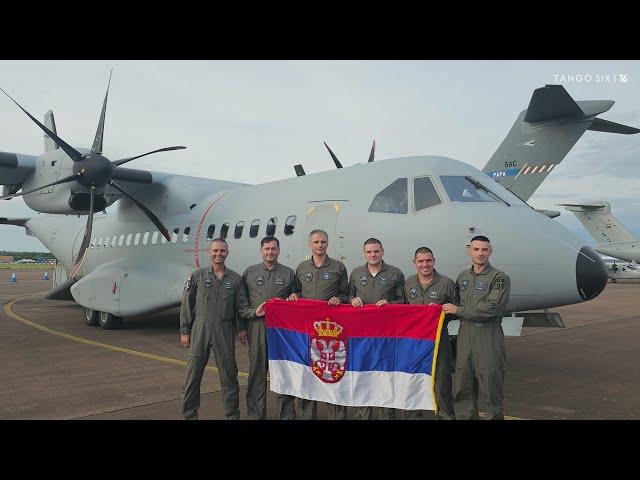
pixel 467 189
pixel 424 195
pixel 393 199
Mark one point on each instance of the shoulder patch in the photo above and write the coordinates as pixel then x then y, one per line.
pixel 500 283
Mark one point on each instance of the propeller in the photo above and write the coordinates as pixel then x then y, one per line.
pixel 94 172
pixel 333 155
pixel 337 162
pixel 373 152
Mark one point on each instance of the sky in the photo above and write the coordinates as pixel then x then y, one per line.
pixel 251 121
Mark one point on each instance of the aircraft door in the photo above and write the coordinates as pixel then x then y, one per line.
pixel 324 216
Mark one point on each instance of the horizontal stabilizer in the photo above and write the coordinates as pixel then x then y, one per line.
pixel 600 125
pixel 575 207
pixel 551 102
pixel 542 135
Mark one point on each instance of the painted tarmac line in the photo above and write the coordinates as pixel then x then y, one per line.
pixel 8 310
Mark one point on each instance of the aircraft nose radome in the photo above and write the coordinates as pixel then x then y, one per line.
pixel 591 273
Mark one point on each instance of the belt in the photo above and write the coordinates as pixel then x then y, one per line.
pixel 484 323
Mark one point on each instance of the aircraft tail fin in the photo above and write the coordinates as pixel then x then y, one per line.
pixel 50 123
pixel 600 223
pixel 543 134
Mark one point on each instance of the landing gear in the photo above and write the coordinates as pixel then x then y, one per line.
pixel 91 317
pixel 109 322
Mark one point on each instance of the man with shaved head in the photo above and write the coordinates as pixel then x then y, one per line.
pixel 209 320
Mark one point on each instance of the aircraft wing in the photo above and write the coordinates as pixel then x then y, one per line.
pixel 543 134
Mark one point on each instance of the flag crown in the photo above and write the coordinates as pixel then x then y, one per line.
pixel 327 328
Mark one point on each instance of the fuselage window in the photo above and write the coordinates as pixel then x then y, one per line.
pixel 289 225
pixel 93 243
pixel 271 226
pixel 392 199
pixel 136 239
pixel 114 239
pixel 224 230
pixel 255 226
pixel 424 194
pixel 174 235
pixel 185 234
pixel 466 189
pixel 210 232
pixel 128 242
pixel 145 238
pixel 120 240
pixel 106 242
pixel 99 242
pixel 154 237
pixel 238 231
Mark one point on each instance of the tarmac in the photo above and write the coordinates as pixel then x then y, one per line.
pixel 54 366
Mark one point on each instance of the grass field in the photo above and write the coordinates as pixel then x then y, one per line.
pixel 27 266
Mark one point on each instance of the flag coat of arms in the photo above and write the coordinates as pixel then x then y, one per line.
pixel 369 356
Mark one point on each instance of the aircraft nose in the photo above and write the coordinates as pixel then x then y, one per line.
pixel 591 273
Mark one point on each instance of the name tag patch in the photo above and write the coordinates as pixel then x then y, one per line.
pixel 278 281
pixel 481 285
pixel 384 280
pixel 434 294
pixel 326 276
pixel 227 285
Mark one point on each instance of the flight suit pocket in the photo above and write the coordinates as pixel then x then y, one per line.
pixel 228 306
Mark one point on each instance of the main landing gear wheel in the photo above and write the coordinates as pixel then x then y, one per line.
pixel 110 322
pixel 91 317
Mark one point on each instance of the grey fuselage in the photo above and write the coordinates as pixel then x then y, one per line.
pixel 537 253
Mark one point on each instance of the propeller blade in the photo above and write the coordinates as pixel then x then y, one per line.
pixel 373 152
pixel 335 159
pixel 156 221
pixel 86 239
pixel 125 160
pixel 70 178
pixel 75 155
pixel 97 142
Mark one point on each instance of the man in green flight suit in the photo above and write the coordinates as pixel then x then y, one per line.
pixel 379 283
pixel 429 286
pixel 264 281
pixel 209 320
pixel 481 350
pixel 321 278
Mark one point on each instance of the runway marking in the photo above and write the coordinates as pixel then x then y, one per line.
pixel 8 310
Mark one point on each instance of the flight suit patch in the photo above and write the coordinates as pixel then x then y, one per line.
pixel 433 294
pixel 187 285
pixel 481 285
pixel 413 293
pixel 326 276
pixel 464 284
pixel 259 280
pixel 227 285
pixel 278 281
pixel 500 281
pixel 308 277
pixel 363 280
pixel 383 280
pixel 208 282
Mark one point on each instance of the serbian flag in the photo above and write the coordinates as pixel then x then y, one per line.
pixel 370 356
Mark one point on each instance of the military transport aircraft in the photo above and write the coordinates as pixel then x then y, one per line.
pixel 620 271
pixel 134 259
pixel 612 237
